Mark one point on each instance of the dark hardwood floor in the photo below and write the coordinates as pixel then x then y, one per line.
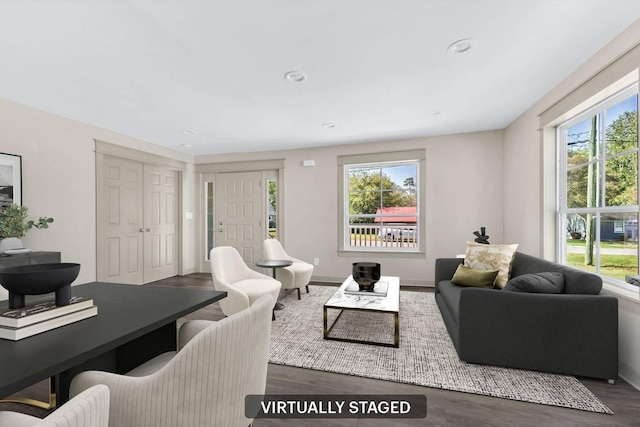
pixel 444 408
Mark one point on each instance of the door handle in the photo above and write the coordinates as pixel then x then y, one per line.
pixel 220 230
pixel 148 230
pixel 141 230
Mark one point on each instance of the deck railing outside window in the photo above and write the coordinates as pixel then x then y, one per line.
pixel 383 235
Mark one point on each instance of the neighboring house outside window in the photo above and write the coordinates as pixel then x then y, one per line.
pixel 381 202
pixel 598 189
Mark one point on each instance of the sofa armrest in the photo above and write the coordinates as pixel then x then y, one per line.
pixel 564 333
pixel 445 267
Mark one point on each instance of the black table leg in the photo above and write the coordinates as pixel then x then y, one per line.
pixel 279 305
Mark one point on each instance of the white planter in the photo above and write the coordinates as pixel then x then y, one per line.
pixel 9 243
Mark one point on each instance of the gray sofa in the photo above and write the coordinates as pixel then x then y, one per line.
pixel 574 332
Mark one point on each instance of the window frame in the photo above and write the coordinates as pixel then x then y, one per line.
pixel 380 159
pixel 601 160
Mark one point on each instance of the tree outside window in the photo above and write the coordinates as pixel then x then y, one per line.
pixel 600 203
pixel 382 205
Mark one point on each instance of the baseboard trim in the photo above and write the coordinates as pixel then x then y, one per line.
pixel 630 375
pixel 187 271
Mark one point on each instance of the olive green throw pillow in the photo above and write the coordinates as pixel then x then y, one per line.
pixel 467 276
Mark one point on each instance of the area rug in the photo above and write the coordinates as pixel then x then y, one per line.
pixel 426 356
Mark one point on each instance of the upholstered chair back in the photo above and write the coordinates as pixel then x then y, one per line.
pixel 204 384
pixel 227 266
pixel 88 409
pixel 274 250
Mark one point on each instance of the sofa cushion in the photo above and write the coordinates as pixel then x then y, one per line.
pixel 575 281
pixel 547 282
pixel 467 276
pixel 491 257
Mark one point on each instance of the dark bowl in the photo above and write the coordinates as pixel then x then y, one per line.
pixel 366 274
pixel 37 279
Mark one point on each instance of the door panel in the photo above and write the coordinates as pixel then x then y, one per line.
pixel 238 216
pixel 160 223
pixel 119 237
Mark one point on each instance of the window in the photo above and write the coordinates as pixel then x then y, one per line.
pixel 618 227
pixel 209 203
pixel 381 203
pixel 598 206
pixel 272 207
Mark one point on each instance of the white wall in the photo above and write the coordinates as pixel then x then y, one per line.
pixel 58 178
pixel 526 171
pixel 463 192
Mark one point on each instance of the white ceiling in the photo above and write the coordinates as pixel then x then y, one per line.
pixel 378 69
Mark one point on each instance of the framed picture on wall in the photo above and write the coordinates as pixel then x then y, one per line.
pixel 10 179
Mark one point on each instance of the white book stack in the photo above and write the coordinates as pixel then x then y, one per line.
pixel 379 289
pixel 16 324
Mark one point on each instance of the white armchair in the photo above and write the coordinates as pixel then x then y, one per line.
pixel 88 409
pixel 203 384
pixel 243 285
pixel 294 276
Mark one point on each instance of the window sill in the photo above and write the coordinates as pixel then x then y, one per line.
pixel 619 292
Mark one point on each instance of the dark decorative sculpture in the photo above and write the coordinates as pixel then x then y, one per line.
pixel 37 279
pixel 366 274
pixel 481 237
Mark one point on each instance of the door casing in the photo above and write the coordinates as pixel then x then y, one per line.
pixel 209 173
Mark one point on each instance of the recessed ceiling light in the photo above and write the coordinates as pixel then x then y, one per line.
pixel 461 46
pixel 189 132
pixel 295 76
pixel 436 112
pixel 187 145
pixel 328 125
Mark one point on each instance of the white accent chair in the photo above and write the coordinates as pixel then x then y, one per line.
pixel 88 409
pixel 294 276
pixel 243 285
pixel 203 384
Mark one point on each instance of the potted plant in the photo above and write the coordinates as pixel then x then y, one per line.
pixel 14 225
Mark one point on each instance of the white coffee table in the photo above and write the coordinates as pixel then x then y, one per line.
pixel 389 304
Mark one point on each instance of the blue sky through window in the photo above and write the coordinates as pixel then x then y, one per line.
pixel 400 173
pixel 580 131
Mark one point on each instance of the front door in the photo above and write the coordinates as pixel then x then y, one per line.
pixel 238 218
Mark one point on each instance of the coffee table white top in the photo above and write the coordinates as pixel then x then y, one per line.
pixel 390 303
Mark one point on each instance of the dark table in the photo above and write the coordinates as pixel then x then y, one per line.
pixel 134 324
pixel 274 263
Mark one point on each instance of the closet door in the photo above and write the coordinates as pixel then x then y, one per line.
pixel 120 232
pixel 137 221
pixel 160 223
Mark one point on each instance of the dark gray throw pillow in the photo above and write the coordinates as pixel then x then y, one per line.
pixel 542 283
